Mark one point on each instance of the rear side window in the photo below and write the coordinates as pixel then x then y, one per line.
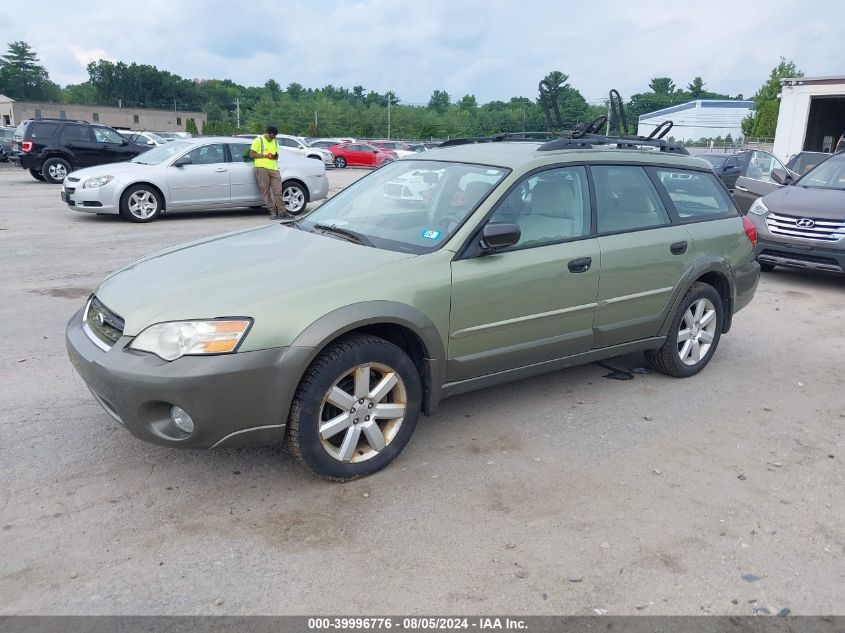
pixel 42 131
pixel 626 200
pixel 239 152
pixel 695 194
pixel 75 133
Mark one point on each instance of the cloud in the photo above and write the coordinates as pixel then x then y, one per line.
pixel 494 49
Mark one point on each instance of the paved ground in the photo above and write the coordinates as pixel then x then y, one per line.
pixel 558 495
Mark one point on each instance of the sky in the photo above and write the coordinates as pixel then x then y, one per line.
pixel 493 49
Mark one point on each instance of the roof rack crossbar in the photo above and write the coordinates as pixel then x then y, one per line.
pixel 621 142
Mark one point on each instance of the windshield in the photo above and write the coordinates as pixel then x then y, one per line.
pixel 716 161
pixel 409 206
pixel 159 154
pixel 829 175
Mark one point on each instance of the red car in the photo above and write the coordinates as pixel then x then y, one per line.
pixel 359 155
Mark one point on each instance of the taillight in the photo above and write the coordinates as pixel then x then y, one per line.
pixel 26 146
pixel 750 230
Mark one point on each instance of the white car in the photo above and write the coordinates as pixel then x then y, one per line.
pixel 150 139
pixel 299 145
pixel 192 174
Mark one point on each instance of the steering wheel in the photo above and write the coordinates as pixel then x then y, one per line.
pixel 450 220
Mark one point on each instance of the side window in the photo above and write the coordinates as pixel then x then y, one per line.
pixel 288 142
pixel 626 199
pixel 239 152
pixel 695 194
pixel 760 166
pixel 42 131
pixel 732 163
pixel 76 133
pixel 106 135
pixel 208 155
pixel 549 206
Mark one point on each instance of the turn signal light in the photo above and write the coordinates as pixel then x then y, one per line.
pixel 750 230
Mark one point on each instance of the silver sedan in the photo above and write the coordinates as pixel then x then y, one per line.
pixel 193 174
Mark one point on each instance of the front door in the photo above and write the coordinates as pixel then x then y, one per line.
pixel 756 179
pixel 203 181
pixel 643 256
pixel 535 301
pixel 112 147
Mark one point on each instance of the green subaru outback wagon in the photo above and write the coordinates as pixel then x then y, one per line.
pixel 472 266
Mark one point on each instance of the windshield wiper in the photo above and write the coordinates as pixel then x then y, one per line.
pixel 345 233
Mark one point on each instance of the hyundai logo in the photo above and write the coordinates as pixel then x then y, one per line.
pixel 100 319
pixel 806 223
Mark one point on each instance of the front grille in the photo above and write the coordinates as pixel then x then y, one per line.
pixel 102 324
pixel 821 230
pixel 72 179
pixel 69 190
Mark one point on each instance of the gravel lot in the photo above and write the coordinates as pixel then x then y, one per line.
pixel 563 494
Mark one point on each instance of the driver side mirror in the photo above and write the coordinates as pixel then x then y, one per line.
pixel 782 176
pixel 499 235
pixel 185 160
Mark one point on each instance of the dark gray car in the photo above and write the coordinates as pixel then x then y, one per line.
pixel 803 225
pixel 756 178
pixel 727 167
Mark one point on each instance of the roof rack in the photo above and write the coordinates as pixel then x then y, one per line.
pixel 47 118
pixel 584 135
pixel 504 136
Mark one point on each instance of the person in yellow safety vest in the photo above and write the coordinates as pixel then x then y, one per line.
pixel 265 154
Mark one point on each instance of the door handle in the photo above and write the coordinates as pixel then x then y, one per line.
pixel 740 187
pixel 679 248
pixel 580 265
pixel 220 169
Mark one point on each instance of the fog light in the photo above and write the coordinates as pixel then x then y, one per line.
pixel 181 419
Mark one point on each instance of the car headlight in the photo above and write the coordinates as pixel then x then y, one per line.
pixel 173 340
pixel 759 207
pixel 96 183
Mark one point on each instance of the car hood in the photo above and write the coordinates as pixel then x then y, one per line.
pixel 826 204
pixel 110 169
pixel 261 273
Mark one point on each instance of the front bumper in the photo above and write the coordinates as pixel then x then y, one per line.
pixel 104 199
pixel 234 399
pixel 781 253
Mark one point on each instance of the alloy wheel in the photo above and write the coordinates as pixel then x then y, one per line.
pixel 294 199
pixel 697 331
pixel 143 205
pixel 57 171
pixel 362 412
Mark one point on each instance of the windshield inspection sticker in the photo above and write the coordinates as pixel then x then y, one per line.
pixel 431 234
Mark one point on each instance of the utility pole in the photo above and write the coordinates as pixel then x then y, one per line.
pixel 315 121
pixel 389 99
pixel 238 111
pixel 120 103
pixel 523 117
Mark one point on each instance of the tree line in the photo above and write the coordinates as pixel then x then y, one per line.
pixel 336 111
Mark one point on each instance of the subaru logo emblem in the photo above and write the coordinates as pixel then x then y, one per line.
pixel 100 319
pixel 806 223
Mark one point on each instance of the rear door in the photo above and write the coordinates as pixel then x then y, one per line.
pixel 244 187
pixel 79 140
pixel 756 179
pixel 204 182
pixel 643 255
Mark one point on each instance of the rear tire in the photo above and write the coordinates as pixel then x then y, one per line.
pixel 340 162
pixel 693 335
pixel 141 203
pixel 295 197
pixel 55 170
pixel 355 408
pixel 36 174
pixel 766 268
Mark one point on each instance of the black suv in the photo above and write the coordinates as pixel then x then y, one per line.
pixel 52 148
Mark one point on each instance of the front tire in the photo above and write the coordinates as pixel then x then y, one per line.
pixel 141 203
pixel 355 408
pixel 295 197
pixel 340 162
pixel 54 170
pixel 36 174
pixel 693 335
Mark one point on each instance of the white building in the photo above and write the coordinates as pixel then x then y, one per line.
pixel 703 118
pixel 811 116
